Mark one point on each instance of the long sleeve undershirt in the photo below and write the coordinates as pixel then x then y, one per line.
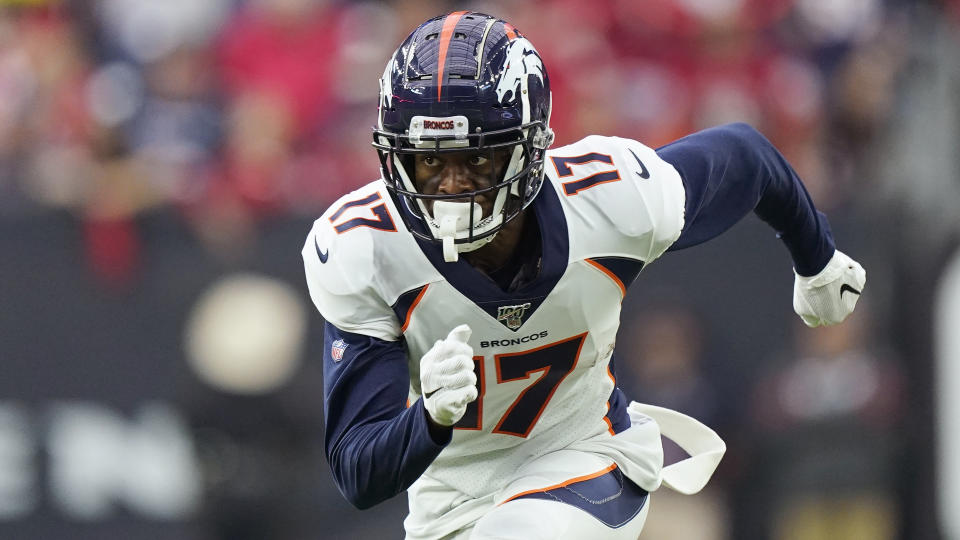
pixel 377 447
pixel 728 171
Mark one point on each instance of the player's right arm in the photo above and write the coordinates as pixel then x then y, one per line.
pixel 376 446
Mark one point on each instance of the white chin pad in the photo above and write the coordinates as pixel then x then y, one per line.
pixel 452 218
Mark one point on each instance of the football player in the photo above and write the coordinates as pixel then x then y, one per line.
pixel 472 295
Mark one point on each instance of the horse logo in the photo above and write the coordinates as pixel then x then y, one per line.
pixel 522 62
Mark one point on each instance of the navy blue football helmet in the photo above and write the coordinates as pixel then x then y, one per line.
pixel 464 81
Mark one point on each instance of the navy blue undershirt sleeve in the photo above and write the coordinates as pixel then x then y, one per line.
pixel 376 446
pixel 728 171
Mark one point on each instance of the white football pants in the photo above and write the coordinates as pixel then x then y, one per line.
pixel 554 520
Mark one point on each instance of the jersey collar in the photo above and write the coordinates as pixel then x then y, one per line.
pixel 482 291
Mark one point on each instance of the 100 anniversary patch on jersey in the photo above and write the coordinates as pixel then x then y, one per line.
pixel 512 316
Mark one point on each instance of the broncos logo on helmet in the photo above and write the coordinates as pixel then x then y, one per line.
pixel 522 62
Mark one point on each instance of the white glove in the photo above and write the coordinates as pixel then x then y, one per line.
pixel 828 297
pixel 447 380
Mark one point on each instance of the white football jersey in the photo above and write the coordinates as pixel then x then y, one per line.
pixel 608 206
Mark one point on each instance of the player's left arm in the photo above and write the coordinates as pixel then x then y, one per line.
pixel 731 170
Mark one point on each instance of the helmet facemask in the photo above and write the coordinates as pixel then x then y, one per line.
pixel 457 220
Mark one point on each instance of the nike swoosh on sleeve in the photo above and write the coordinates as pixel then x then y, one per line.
pixel 643 168
pixel 322 254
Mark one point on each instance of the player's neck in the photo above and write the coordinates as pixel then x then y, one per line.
pixel 498 252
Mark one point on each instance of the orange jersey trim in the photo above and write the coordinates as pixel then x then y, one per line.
pixel 609 426
pixel 446 34
pixel 406 320
pixel 565 484
pixel 611 275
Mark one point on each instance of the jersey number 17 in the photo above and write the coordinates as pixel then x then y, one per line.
pixel 554 361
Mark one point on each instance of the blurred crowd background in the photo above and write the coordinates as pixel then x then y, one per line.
pixel 162 161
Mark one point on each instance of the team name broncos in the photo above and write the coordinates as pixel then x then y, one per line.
pixel 513 341
pixel 435 124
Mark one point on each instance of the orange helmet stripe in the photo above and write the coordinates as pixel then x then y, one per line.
pixel 446 34
pixel 511 31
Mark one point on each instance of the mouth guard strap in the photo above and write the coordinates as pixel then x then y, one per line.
pixel 453 218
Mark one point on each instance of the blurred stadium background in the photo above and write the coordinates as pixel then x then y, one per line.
pixel 161 162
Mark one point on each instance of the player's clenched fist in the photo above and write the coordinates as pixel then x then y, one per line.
pixel 828 297
pixel 447 379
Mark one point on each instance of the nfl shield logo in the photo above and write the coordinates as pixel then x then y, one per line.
pixel 512 316
pixel 336 350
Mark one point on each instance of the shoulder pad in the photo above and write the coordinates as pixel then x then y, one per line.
pixel 339 260
pixel 624 185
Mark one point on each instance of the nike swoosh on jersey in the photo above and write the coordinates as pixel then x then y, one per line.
pixel 845 288
pixel 322 254
pixel 645 173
